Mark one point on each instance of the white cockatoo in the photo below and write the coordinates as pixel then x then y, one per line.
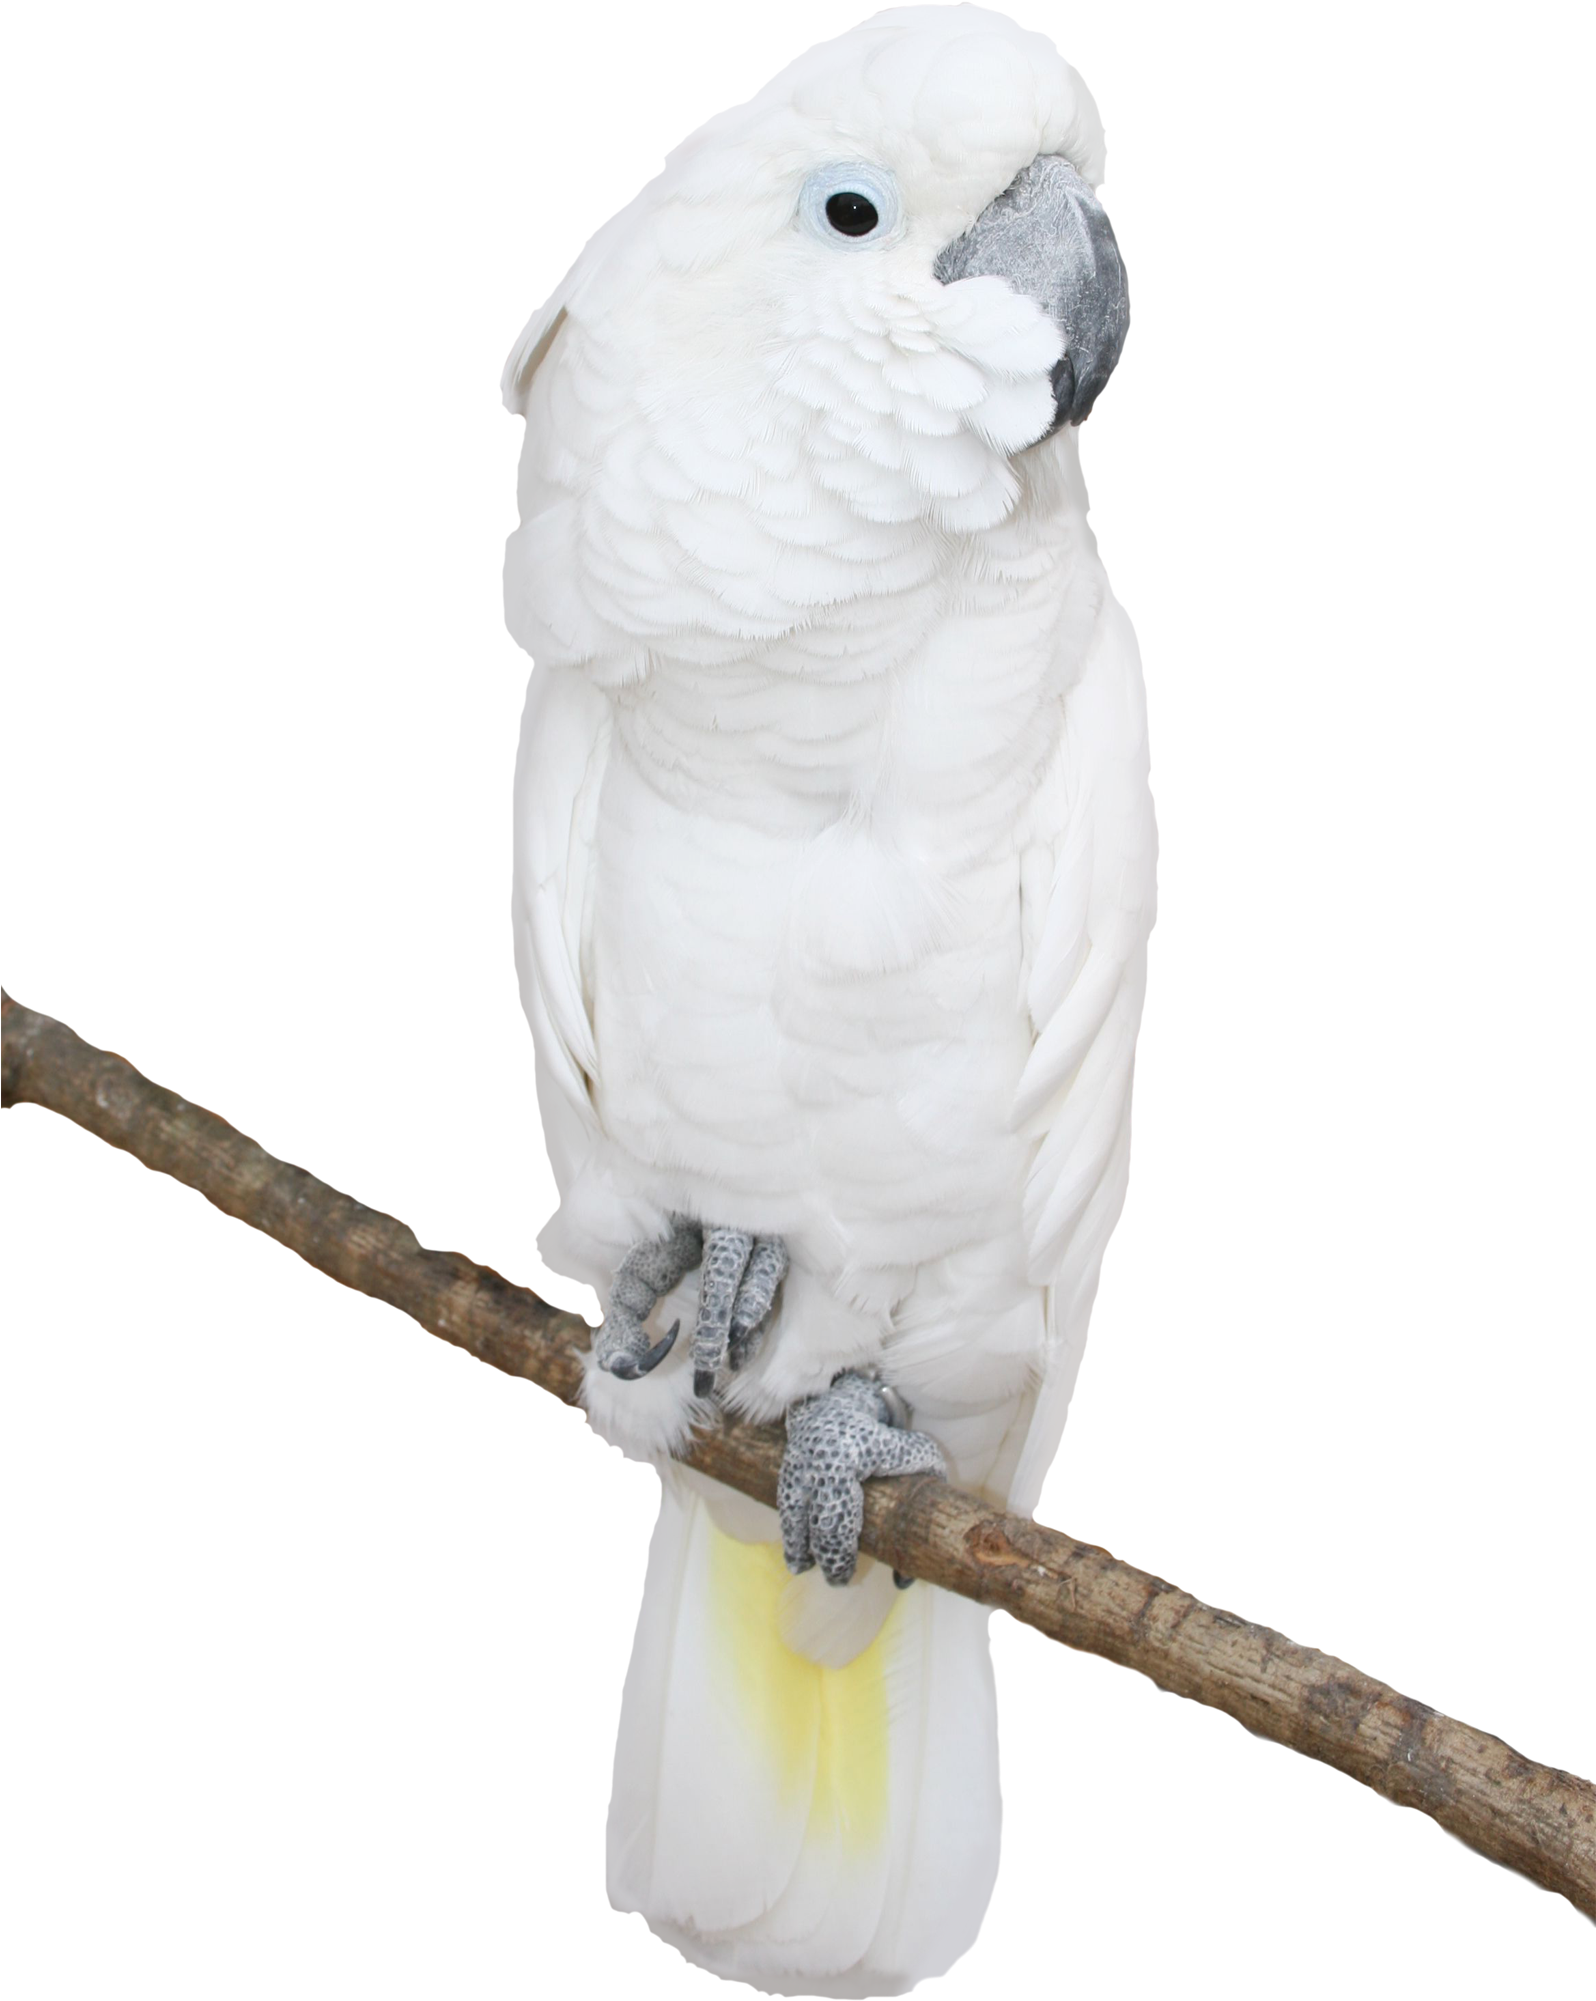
pixel 833 881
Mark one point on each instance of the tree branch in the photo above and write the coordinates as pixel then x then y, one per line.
pixel 1532 1818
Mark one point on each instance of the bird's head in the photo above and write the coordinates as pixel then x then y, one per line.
pixel 851 303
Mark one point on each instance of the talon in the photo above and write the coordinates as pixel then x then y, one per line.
pixel 647 1273
pixel 726 1256
pixel 741 1276
pixel 766 1268
pixel 660 1349
pixel 899 1415
pixel 629 1367
pixel 835 1441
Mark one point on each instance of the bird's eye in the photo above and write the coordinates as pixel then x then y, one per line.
pixel 851 204
pixel 851 213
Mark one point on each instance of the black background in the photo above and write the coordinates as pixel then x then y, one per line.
pixel 349 1611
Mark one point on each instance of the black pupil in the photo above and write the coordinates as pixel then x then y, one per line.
pixel 851 214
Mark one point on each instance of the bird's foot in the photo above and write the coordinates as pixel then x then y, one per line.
pixel 647 1272
pixel 741 1275
pixel 847 1434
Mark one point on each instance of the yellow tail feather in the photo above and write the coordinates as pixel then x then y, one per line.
pixel 792 1703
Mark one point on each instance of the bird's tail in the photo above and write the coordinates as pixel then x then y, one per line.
pixel 806 1792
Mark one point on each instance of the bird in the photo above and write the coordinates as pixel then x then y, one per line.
pixel 834 875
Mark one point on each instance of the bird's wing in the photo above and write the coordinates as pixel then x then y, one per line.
pixel 538 336
pixel 1087 889
pixel 565 743
pixel 565 740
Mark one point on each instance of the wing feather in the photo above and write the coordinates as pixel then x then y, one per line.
pixel 538 336
pixel 565 739
pixel 1086 971
pixel 566 732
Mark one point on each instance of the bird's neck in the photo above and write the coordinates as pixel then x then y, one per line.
pixel 893 709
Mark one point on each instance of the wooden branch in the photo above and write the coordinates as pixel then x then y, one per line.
pixel 1532 1818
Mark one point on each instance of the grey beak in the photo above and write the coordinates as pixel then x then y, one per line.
pixel 1047 236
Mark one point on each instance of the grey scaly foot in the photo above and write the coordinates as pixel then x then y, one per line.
pixel 741 1274
pixel 647 1272
pixel 849 1433
pixel 766 1268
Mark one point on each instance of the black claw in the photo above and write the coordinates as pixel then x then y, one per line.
pixel 660 1349
pixel 628 1369
pixel 901 1581
pixel 703 1382
pixel 899 1415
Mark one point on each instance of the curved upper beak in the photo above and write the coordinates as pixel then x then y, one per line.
pixel 1047 236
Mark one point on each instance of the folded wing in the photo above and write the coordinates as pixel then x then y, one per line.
pixel 1088 893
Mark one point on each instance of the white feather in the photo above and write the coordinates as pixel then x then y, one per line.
pixel 1087 972
pixel 834 874
pixel 748 1855
pixel 565 734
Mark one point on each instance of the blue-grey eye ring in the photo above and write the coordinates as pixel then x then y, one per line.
pixel 851 204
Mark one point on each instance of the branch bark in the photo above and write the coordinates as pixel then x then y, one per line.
pixel 1532 1818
